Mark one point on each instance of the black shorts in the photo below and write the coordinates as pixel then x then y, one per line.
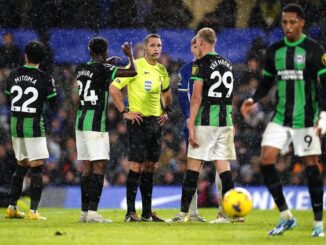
pixel 144 140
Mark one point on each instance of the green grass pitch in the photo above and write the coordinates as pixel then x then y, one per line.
pixel 62 227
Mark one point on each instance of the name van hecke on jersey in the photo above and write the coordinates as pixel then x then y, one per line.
pixel 25 79
pixel 220 62
pixel 85 73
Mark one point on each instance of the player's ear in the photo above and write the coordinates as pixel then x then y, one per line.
pixel 26 58
pixel 302 22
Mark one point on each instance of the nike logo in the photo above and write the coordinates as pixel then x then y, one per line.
pixel 155 201
pixel 146 72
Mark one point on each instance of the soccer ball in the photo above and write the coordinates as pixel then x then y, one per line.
pixel 237 202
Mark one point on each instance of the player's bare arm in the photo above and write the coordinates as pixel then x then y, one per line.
pixel 195 103
pixel 166 101
pixel 131 70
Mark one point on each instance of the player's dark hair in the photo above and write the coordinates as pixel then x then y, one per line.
pixel 207 34
pixel 35 52
pixel 98 45
pixel 151 36
pixel 294 8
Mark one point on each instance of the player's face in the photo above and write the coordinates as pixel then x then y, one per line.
pixel 154 47
pixel 199 43
pixel 195 51
pixel 292 26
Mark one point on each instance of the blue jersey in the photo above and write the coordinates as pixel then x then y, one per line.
pixel 185 87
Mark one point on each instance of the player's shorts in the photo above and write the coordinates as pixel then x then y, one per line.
pixel 30 148
pixel 144 140
pixel 305 140
pixel 92 145
pixel 215 143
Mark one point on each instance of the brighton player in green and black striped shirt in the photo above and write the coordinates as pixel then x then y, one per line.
pixel 92 137
pixel 295 65
pixel 28 89
pixel 210 123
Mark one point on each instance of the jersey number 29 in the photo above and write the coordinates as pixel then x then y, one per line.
pixel 226 79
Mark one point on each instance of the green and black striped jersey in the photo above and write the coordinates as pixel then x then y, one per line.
pixel 216 74
pixel 295 66
pixel 93 80
pixel 28 89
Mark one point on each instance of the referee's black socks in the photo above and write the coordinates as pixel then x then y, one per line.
pixel 146 189
pixel 16 184
pixel 132 186
pixel 36 186
pixel 274 185
pixel 315 186
pixel 188 189
pixel 95 190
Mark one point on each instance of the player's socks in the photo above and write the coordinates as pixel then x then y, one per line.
pixel 286 214
pixel 36 186
pixel 146 190
pixel 95 190
pixel 219 186
pixel 132 186
pixel 274 185
pixel 227 182
pixel 315 186
pixel 188 189
pixel 193 205
pixel 16 184
pixel 84 193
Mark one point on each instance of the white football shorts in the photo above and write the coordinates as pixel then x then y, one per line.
pixel 305 140
pixel 92 145
pixel 30 148
pixel 215 143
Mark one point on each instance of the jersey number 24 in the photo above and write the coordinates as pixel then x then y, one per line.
pixel 86 94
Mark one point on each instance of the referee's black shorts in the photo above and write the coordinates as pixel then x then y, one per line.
pixel 145 140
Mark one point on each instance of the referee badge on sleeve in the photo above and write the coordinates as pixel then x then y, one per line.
pixel 194 70
pixel 323 59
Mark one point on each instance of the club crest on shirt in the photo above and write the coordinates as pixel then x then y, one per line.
pixel 300 59
pixel 194 70
pixel 323 59
pixel 148 85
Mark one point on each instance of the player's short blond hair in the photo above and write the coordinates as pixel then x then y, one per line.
pixel 193 40
pixel 208 35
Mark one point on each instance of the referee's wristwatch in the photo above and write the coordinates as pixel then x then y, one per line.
pixel 125 110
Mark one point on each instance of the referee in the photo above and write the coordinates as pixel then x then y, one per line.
pixel 149 98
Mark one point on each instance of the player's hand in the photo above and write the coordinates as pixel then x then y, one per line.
pixel 127 49
pixel 133 117
pixel 192 135
pixel 321 126
pixel 113 60
pixel 163 119
pixel 246 107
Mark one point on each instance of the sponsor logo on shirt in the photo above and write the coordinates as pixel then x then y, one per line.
pixel 290 75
